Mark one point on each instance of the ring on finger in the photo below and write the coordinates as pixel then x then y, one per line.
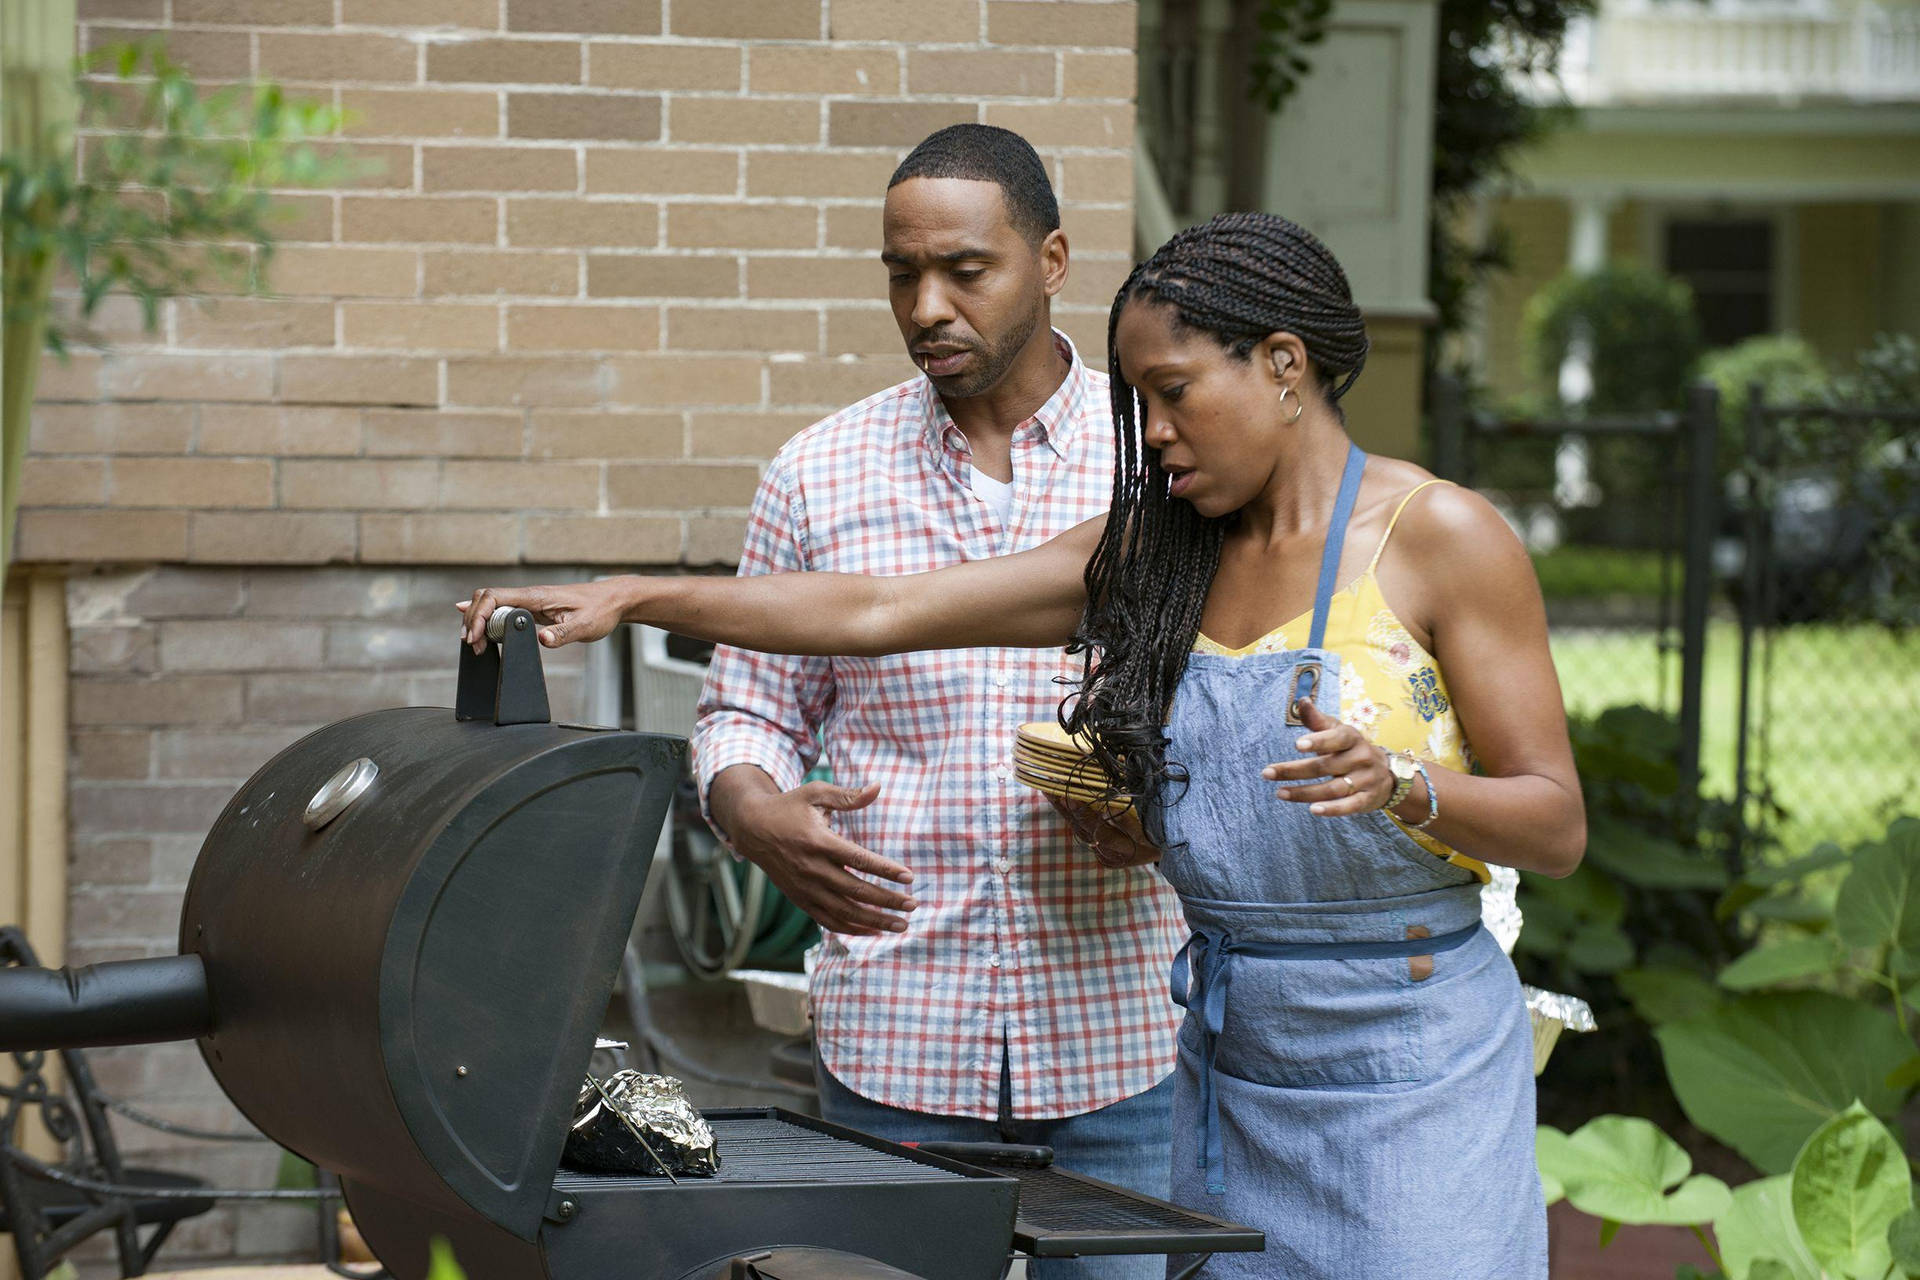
pixel 1352 786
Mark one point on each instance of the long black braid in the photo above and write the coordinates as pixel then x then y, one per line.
pixel 1238 277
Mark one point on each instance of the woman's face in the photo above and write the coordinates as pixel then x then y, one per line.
pixel 1216 420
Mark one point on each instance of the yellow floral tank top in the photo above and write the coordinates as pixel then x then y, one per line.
pixel 1390 687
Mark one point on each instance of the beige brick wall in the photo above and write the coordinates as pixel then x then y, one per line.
pixel 606 255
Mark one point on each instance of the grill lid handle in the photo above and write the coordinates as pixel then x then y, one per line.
pixel 503 682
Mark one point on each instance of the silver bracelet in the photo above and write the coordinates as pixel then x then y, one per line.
pixel 1433 797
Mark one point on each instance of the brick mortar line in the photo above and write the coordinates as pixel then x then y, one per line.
pixel 450 36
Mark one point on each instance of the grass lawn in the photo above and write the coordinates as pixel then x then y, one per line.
pixel 1841 709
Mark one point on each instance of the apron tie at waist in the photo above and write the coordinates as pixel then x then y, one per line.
pixel 1201 973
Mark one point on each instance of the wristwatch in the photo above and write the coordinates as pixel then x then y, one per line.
pixel 1404 769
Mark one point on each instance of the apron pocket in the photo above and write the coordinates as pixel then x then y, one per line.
pixel 1446 873
pixel 1305 1022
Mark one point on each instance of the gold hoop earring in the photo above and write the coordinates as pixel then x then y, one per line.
pixel 1299 407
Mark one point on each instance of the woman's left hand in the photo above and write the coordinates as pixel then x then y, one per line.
pixel 1355 773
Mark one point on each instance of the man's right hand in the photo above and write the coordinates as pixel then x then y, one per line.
pixel 787 834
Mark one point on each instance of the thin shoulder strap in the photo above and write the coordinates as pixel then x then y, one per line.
pixel 1396 519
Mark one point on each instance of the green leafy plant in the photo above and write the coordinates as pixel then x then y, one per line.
pixel 1785 368
pixel 1817 1015
pixel 1797 1053
pixel 177 190
pixel 1844 1211
pixel 176 194
pixel 1482 120
pixel 1885 374
pixel 1636 923
pixel 1638 329
pixel 1655 862
pixel 1287 29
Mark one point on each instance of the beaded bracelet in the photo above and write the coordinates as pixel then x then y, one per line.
pixel 1433 797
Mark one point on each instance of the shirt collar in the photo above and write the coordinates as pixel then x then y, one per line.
pixel 1054 422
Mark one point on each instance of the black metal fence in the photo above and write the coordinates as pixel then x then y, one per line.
pixel 1751 581
pixel 1826 505
pixel 1620 514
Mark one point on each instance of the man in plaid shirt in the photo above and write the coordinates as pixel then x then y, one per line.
pixel 983 977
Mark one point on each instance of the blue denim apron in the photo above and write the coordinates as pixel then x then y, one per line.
pixel 1356 1070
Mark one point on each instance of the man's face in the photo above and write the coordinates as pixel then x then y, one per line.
pixel 968 289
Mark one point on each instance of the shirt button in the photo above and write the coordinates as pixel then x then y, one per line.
pixel 1000 681
pixel 1003 865
pixel 994 961
pixel 1000 771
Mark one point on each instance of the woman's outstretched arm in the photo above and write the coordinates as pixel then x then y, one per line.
pixel 1032 599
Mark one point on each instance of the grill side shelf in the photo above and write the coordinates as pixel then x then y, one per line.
pixel 1064 1214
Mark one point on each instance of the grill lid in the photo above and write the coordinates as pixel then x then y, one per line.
pixel 407 992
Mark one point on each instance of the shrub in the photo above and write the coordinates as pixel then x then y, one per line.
pixel 1639 328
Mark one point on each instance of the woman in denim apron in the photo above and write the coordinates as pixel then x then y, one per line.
pixel 1354 1073
pixel 1356 1068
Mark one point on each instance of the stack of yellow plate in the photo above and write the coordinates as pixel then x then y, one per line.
pixel 1048 760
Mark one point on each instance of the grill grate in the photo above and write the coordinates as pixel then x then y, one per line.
pixel 765 1149
pixel 1052 1201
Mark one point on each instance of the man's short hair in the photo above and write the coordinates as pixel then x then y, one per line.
pixel 986 153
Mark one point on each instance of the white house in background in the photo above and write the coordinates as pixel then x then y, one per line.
pixel 1766 151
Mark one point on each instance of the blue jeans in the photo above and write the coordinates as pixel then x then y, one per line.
pixel 1128 1144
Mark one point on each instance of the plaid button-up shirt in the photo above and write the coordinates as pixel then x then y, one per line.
pixel 1022 945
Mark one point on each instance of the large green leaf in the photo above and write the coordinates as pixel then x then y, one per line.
pixel 1905 1076
pixel 1759 1226
pixel 1600 948
pixel 1667 994
pixel 1550 1153
pixel 1822 857
pixel 1903 1238
pixel 1623 1169
pixel 1783 962
pixel 1758 882
pixel 1849 1184
pixel 1880 901
pixel 1764 1071
pixel 1791 908
pixel 1650 861
pixel 1585 895
pixel 1576 919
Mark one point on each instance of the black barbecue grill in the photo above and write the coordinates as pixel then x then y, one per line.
pixel 396 948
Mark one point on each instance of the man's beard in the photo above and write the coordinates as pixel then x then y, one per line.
pixel 991 363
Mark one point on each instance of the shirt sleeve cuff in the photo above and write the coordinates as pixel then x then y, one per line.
pixel 782 766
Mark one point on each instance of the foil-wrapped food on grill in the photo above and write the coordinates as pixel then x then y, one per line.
pixel 633 1122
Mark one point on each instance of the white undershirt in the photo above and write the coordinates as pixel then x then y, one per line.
pixel 997 494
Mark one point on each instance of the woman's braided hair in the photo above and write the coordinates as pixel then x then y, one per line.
pixel 1238 278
